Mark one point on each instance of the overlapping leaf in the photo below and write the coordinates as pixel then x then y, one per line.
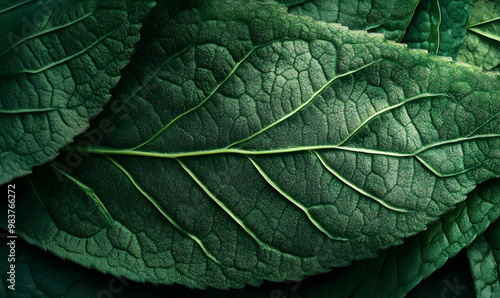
pixel 388 17
pixel 58 62
pixel 482 43
pixel 252 144
pixel 484 257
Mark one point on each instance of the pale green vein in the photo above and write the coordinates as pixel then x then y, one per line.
pixel 485 34
pixel 56 63
pixel 387 109
pixel 228 211
pixel 103 150
pixel 89 191
pixel 15 6
pixel 235 68
pixel 438 173
pixel 484 22
pixel 164 213
pixel 46 32
pixel 29 110
pixel 148 80
pixel 438 27
pixel 305 103
pixel 295 202
pixel 357 189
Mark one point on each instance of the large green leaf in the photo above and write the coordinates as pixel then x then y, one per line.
pixel 484 258
pixel 58 63
pixel 423 31
pixel 250 144
pixel 388 17
pixel 482 42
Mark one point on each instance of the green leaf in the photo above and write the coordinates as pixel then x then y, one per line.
pixel 423 31
pixel 484 258
pixel 388 17
pixel 41 274
pixel 250 144
pixel 371 278
pixel 482 42
pixel 58 62
pixel 454 17
pixel 396 271
pixel 451 281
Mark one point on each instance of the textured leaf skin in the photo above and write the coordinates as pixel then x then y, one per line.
pixel 454 17
pixel 423 31
pixel 450 281
pixel 41 274
pixel 481 46
pixel 236 208
pixel 58 63
pixel 371 278
pixel 388 17
pixel 396 271
pixel 484 258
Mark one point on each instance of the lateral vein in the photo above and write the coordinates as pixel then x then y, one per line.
pixel 485 34
pixel 295 202
pixel 29 110
pixel 56 63
pixel 15 6
pixel 387 109
pixel 151 78
pixel 164 213
pixel 357 189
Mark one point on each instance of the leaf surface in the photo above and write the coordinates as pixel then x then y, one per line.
pixel 388 17
pixel 392 273
pixel 250 144
pixel 481 46
pixel 58 63
pixel 454 17
pixel 396 271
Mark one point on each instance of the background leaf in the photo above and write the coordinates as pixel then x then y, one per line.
pixel 393 273
pixel 58 63
pixel 396 271
pixel 481 46
pixel 388 17
pixel 423 31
